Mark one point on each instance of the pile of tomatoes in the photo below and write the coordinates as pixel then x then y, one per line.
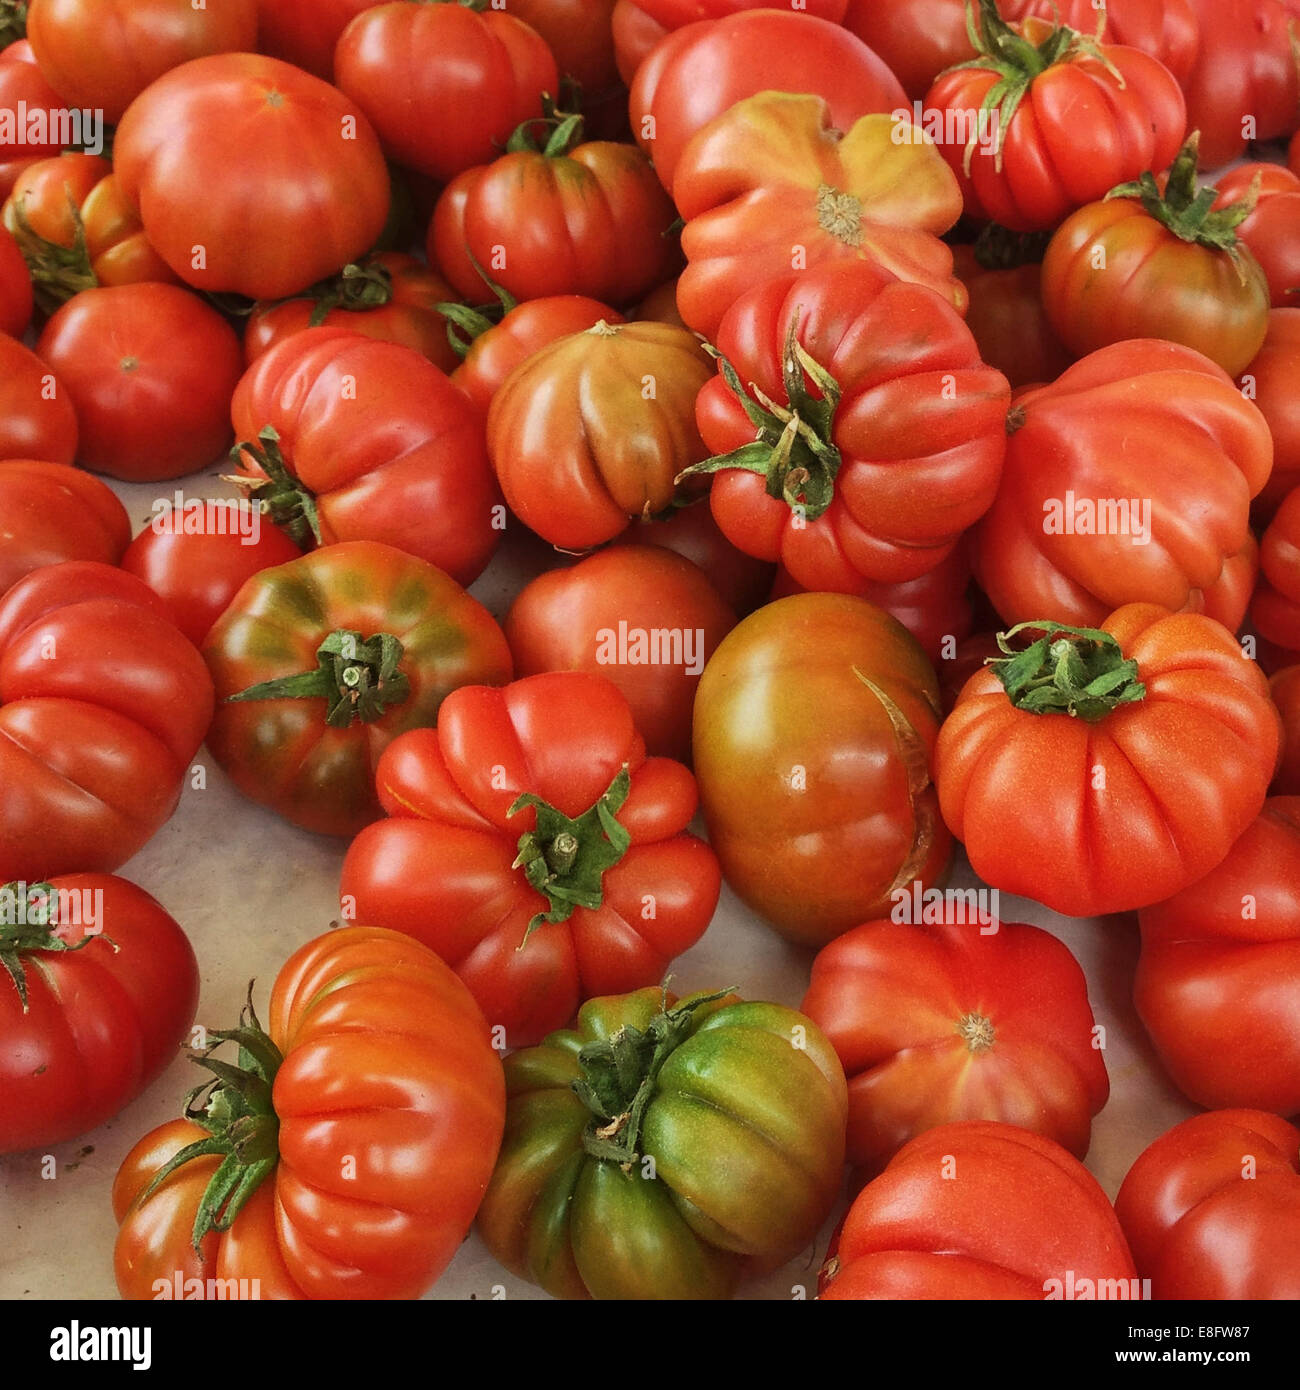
pixel 898 406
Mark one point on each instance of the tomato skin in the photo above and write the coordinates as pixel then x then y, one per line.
pixel 441 867
pixel 387 1062
pixel 747 1138
pixel 1272 381
pixel 1271 231
pixel 1198 1229
pixel 1275 608
pixel 409 66
pixel 1166 29
pixel 21 81
pixel 306 32
pixel 15 288
pixel 54 513
pixel 1024 1219
pixel 580 35
pixel 919 39
pixel 238 140
pixel 1284 686
pixel 102 1023
pixel 37 419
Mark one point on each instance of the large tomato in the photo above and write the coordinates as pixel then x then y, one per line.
pixel 595 429
pixel 1103 770
pixel 443 83
pixel 348 438
pixel 16 300
pixel 1009 120
pixel 98 987
pixel 37 419
pixel 52 513
pixel 252 176
pixel 1103 469
pixel 102 705
pixel 1211 1209
pixel 353 1140
pixel 580 33
pixel 23 88
pixel 1271 229
pixel 320 663
pixel 306 32
pixel 663 1149
pixel 919 39
pixel 815 723
pixel 880 431
pixel 1166 29
pixel 1275 608
pixel 768 185
pixel 1284 686
pixel 536 848
pixel 980 1210
pixel 1272 381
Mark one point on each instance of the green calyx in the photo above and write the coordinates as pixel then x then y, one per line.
pixel 13 21
pixel 357 288
pixel 360 680
pixel 619 1075
pixel 281 494
pixel 1077 671
pixel 235 1108
pixel 466 324
pixel 566 859
pixel 553 134
pixel 794 451
pixel 33 928
pixel 58 272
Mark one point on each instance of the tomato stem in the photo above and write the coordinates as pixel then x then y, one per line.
pixel 1077 671
pixel 29 922
pixel 281 494
pixel 13 21
pixel 58 272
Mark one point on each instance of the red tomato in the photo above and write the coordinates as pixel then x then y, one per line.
pixel 348 439
pixel 15 288
pixel 919 39
pixel 150 370
pixel 37 419
pixel 478 860
pixel 1129 795
pixel 1272 230
pixel 1272 381
pixel 102 705
pixel 580 34
pixel 306 32
pixel 660 305
pixel 54 513
pixel 444 84
pixel 374 1105
pixel 980 1210
pixel 236 142
pixel 23 88
pixel 1275 609
pixel 1211 1209
pixel 1284 686
pixel 101 988
pixel 1166 29
pixel 703 69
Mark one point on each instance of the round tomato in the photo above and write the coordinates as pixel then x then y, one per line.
pixel 536 848
pixel 354 1138
pixel 23 88
pixel 1272 381
pixel 1275 608
pixel 1128 758
pixel 1271 228
pixel 306 32
pixel 663 1149
pixel 347 438
pixel 37 419
pixel 444 83
pixel 320 663
pixel 150 370
pixel 919 39
pixel 1212 1208
pixel 1284 686
pixel 251 176
pixel 102 705
pixel 15 288
pixel 98 988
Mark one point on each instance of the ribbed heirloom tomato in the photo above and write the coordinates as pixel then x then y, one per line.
pixel 1166 29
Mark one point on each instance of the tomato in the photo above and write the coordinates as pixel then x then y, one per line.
pixel 54 513
pixel 361 1127
pixel 1272 229
pixel 391 296
pixel 332 656
pixel 236 142
pixel 1166 29
pixel 1135 756
pixel 477 858
pixel 150 370
pixel 704 69
pixel 103 53
pixel 901 435
pixel 725 1155
pixel 639 615
pixel 102 705
pixel 444 84
pixel 37 419
pixel 1103 468
pixel 815 722
pixel 23 89
pixel 559 218
pixel 197 567
pixel 595 429
pixel 1275 609
pixel 770 175
pixel 981 1210
pixel 1284 686
pixel 1010 117
pixel 919 39
pixel 660 305
pixel 1272 381
pixel 306 32
pixel 580 35
pixel 15 288
pixel 1146 265
pixel 1229 600
pixel 346 438
pixel 99 989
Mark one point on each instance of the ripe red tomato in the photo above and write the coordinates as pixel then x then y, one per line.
pixel 1272 381
pixel 54 513
pixel 235 142
pixel 919 39
pixel 536 848
pixel 23 88
pixel 444 84
pixel 37 419
pixel 1212 1208
pixel 980 1210
pixel 15 288
pixel 347 439
pixel 99 988
pixel 1275 609
pixel 332 656
pixel 1284 686
pixel 306 32
pixel 1272 229
pixel 1166 29
pixel 374 1105
pixel 1137 754
pixel 102 705
pixel 580 34
pixel 150 370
